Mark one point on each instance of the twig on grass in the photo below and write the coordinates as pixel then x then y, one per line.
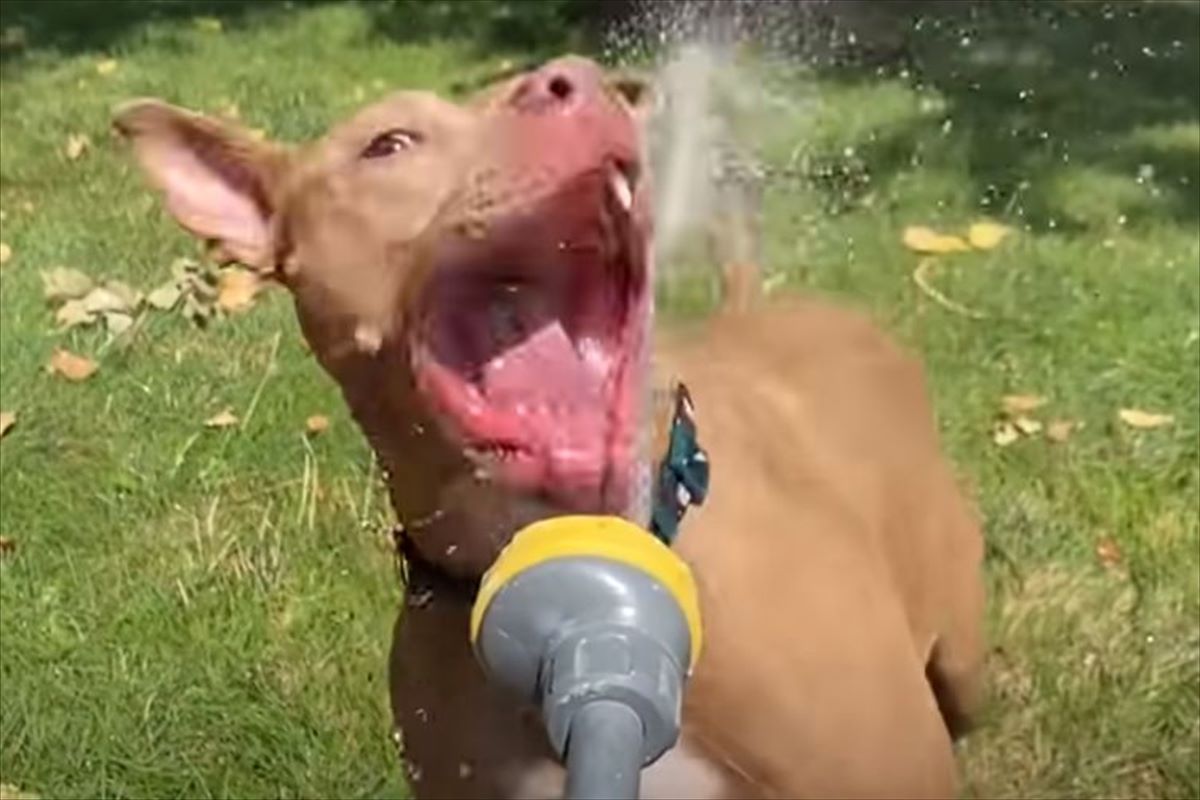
pixel 920 277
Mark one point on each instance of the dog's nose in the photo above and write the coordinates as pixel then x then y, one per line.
pixel 560 86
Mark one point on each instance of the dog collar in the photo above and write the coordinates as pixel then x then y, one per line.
pixel 683 473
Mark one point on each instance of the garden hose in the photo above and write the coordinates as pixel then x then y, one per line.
pixel 598 622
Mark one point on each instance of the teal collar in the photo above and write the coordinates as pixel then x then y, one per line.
pixel 682 477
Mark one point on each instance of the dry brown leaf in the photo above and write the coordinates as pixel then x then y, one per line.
pixel 1022 403
pixel 927 240
pixel 1005 433
pixel 117 322
pixel 77 145
pixel 986 235
pixel 164 297
pixel 7 546
pixel 236 289
pixel 5 253
pixel 7 420
pixel 1027 425
pixel 1144 420
pixel 1108 552
pixel 62 283
pixel 224 419
pixel 72 313
pixel 107 67
pixel 316 424
pixel 72 367
pixel 1060 430
pixel 102 299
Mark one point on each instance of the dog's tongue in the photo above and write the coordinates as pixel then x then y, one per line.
pixel 543 374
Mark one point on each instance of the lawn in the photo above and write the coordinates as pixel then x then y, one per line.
pixel 189 611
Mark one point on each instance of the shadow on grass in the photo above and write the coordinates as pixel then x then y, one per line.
pixel 74 26
pixel 1105 92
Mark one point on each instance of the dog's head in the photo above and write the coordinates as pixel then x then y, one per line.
pixel 475 276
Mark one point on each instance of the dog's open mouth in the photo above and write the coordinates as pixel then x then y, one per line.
pixel 528 341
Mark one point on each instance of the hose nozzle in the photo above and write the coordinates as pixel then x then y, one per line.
pixel 598 622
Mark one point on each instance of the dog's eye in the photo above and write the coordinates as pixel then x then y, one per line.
pixel 391 142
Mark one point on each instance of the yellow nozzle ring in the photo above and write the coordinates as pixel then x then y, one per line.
pixel 613 538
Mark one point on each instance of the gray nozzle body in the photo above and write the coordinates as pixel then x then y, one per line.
pixel 598 644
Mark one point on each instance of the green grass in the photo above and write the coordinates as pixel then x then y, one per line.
pixel 195 613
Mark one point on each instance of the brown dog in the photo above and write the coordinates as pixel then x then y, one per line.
pixel 476 278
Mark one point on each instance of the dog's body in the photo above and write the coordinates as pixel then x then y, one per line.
pixel 838 564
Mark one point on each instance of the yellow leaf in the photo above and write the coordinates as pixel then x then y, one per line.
pixel 1144 420
pixel 926 240
pixel 1060 430
pixel 258 134
pixel 1022 403
pixel 72 367
pixel 224 419
pixel 208 24
pixel 7 420
pixel 1108 552
pixel 236 289
pixel 1027 426
pixel 77 145
pixel 316 424
pixel 107 67
pixel 5 253
pixel 1005 433
pixel 986 235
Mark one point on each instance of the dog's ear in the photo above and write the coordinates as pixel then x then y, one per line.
pixel 219 181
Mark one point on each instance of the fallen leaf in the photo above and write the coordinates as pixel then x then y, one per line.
pixel 102 299
pixel 1108 552
pixel 1027 425
pixel 926 240
pixel 236 289
pixel 72 313
pixel 258 134
pixel 72 367
pixel 208 24
pixel 1005 433
pixel 986 235
pixel 7 420
pixel 5 253
pixel 1022 403
pixel 117 323
pixel 316 424
pixel 224 419
pixel 1144 420
pixel 130 296
pixel 164 297
pixel 7 546
pixel 62 283
pixel 107 67
pixel 1060 430
pixel 77 145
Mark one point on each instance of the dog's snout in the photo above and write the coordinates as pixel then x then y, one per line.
pixel 560 86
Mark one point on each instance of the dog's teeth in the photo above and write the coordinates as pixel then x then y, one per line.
pixel 620 187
